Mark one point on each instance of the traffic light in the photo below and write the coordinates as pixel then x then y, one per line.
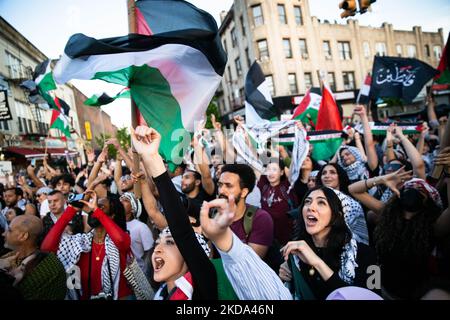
pixel 364 5
pixel 350 8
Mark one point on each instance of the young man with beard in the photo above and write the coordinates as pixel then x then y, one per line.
pixel 12 197
pixel 239 180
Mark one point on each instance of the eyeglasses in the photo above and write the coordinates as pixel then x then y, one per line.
pixel 125 178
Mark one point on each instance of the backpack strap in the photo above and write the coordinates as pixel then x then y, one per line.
pixel 248 220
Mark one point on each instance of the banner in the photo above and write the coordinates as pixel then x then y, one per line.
pixel 5 112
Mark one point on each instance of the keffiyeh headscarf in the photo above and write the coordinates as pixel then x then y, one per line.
pixel 136 206
pixel 184 283
pixel 357 170
pixel 424 187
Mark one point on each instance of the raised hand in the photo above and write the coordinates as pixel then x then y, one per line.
pixel 90 155
pixel 138 176
pixel 443 158
pixel 395 179
pixel 398 132
pixel 102 156
pixel 217 125
pixel 90 205
pixel 360 110
pixel 145 140
pixel 389 133
pixel 214 227
pixel 114 142
pixel 239 120
pixel 425 130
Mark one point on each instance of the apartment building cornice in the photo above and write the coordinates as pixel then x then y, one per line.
pixel 15 37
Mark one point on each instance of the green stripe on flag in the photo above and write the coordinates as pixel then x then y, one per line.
pixel 325 149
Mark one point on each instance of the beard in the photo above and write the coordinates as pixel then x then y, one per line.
pixel 188 188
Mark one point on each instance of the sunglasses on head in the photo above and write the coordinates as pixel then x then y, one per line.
pixel 392 167
pixel 125 178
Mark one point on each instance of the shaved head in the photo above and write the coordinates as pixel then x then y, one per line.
pixel 30 224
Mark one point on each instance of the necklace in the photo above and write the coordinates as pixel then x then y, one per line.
pixel 312 271
pixel 97 253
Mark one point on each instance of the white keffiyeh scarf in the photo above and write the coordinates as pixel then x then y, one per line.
pixel 70 249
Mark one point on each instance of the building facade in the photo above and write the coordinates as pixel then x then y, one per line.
pixel 93 121
pixel 27 134
pixel 295 49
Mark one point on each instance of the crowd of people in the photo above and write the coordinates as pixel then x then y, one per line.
pixel 373 222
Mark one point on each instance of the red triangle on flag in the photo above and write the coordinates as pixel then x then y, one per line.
pixel 328 117
pixel 303 105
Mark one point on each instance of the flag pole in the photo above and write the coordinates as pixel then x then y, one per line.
pixel 131 7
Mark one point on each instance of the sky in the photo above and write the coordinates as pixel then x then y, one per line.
pixel 48 24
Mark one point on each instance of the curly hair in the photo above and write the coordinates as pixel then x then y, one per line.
pixel 344 181
pixel 339 234
pixel 408 238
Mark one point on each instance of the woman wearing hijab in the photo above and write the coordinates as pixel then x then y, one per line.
pixel 100 255
pixel 333 176
pixel 326 256
pixel 409 227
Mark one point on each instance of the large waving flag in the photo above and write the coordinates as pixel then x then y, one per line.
pixel 308 108
pixel 172 74
pixel 442 80
pixel 41 85
pixel 59 119
pixel 399 77
pixel 258 101
pixel 104 98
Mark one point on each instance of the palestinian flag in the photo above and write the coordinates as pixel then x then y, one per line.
pixel 258 101
pixel 442 80
pixel 325 143
pixel 63 107
pixel 104 98
pixel 328 117
pixel 43 76
pixel 60 121
pixel 308 108
pixel 172 74
pixel 364 92
pixel 379 128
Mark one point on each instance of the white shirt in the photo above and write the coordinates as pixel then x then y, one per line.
pixel 254 198
pixel 141 240
pixel 44 208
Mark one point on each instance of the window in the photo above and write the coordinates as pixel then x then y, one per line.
pixel 412 51
pixel 298 15
pixel 398 48
pixel 332 81
pixel 258 18
pixel 427 51
pixel 247 55
pixel 287 48
pixel 242 25
pixel 366 48
pixel 303 48
pixel 282 14
pixel 308 80
pixel 14 65
pixel 263 49
pixel 225 46
pixel 292 78
pixel 233 38
pixel 437 52
pixel 326 49
pixel 269 80
pixel 229 73
pixel 349 80
pixel 380 47
pixel 344 50
pixel 237 62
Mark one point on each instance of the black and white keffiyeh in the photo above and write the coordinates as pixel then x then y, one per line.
pixel 201 240
pixel 354 217
pixel 357 170
pixel 136 206
pixel 348 262
pixel 70 249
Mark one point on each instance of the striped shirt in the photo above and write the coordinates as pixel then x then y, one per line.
pixel 251 277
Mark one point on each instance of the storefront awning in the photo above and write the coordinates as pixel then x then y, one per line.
pixel 39 152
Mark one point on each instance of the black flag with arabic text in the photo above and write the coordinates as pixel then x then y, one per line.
pixel 399 77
